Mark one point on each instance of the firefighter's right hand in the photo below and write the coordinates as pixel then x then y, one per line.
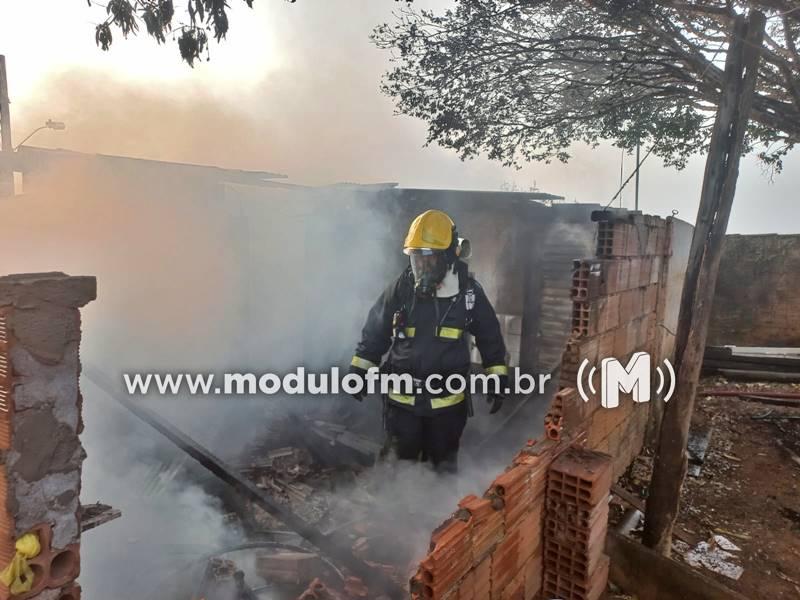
pixel 361 373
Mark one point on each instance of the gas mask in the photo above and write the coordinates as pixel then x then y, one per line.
pixel 429 268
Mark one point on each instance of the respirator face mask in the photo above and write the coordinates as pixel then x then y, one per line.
pixel 429 268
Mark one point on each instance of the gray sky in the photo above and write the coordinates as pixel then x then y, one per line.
pixel 295 90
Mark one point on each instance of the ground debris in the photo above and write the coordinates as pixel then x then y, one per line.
pixel 716 555
pixel 748 490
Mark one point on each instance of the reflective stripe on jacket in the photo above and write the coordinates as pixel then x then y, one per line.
pixel 433 339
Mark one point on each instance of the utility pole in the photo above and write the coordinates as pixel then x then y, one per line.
pixel 6 173
pixel 638 165
pixel 716 200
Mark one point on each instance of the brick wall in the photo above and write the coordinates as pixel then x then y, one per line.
pixel 618 307
pixel 492 546
pixel 539 530
pixel 756 301
pixel 40 421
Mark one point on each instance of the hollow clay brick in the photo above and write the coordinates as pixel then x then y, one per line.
pixel 586 472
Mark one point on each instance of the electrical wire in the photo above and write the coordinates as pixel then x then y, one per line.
pixel 636 170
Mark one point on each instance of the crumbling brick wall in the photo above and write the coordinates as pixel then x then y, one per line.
pixel 618 309
pixel 539 530
pixel 756 301
pixel 492 546
pixel 40 421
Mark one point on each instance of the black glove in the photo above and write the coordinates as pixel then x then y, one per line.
pixel 362 373
pixel 495 397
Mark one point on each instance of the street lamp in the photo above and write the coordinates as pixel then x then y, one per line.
pixel 49 124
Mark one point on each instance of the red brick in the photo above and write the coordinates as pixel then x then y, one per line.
pixel 576 412
pixel 650 298
pixel 626 306
pixel 635 272
pixel 505 560
pixel 466 587
pixel 586 472
pixel 487 525
pixel 514 488
pixel 533 576
pixel 599 581
pixel 652 239
pixel 537 466
pixel 655 272
pixel 638 239
pixel 449 559
pixel 355 588
pixel 580 318
pixel 289 567
pixel 606 420
pixel 615 275
pixel 578 536
pixel 558 585
pixel 644 273
pixel 621 345
pixel 573 519
pixel 586 281
pixel 605 346
pixel 637 301
pixel 483 579
pixel 515 590
pixel 530 530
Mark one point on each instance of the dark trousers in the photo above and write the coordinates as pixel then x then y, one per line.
pixel 433 438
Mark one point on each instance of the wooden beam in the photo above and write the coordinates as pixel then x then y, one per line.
pixel 716 200
pixel 648 575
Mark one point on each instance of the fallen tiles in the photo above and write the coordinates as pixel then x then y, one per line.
pixel 288 567
pixel 355 588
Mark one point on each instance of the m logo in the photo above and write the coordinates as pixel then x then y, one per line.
pixel 632 379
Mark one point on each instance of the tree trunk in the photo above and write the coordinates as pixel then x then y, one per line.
pixel 719 186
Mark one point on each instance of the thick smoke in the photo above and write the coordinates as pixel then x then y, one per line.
pixel 197 278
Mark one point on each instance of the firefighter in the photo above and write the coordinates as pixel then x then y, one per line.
pixel 423 320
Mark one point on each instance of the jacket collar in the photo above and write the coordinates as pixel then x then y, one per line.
pixel 449 286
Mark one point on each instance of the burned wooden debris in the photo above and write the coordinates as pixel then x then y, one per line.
pixel 94 515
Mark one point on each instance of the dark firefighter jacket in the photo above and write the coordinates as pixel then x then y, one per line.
pixel 427 337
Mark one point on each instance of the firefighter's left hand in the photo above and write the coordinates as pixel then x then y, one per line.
pixel 495 398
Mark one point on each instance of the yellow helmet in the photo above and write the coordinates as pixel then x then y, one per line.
pixel 432 230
